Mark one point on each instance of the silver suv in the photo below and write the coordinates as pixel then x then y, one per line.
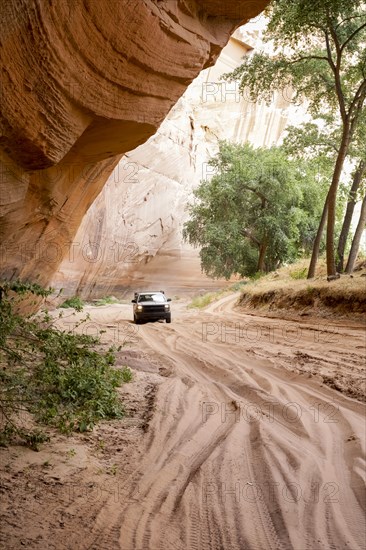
pixel 151 306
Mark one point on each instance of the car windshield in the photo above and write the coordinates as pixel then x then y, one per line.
pixel 153 297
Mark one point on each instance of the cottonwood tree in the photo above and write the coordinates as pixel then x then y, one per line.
pixel 258 211
pixel 358 152
pixel 357 237
pixel 309 142
pixel 317 142
pixel 358 176
pixel 321 54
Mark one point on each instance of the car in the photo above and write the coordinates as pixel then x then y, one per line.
pixel 151 306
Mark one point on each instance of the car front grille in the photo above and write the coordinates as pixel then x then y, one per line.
pixel 154 309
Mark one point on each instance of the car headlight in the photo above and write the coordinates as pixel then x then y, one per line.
pixel 166 306
pixel 139 308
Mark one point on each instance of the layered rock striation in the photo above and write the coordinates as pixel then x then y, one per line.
pixel 83 82
pixel 131 237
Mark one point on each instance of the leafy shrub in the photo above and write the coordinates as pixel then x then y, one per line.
pixel 256 276
pixel 52 376
pixel 107 300
pixel 299 273
pixel 235 287
pixel 75 302
pixel 203 301
pixel 126 374
pixel 206 299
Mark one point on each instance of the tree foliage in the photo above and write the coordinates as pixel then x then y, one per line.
pixel 52 376
pixel 318 142
pixel 321 55
pixel 257 211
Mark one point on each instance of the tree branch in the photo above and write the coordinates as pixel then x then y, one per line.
pixel 248 234
pixel 334 35
pixel 336 69
pixel 352 36
pixel 348 19
pixel 359 98
pixel 258 193
pixel 329 52
pixel 308 57
pixel 7 417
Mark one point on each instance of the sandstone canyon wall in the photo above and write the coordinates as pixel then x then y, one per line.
pixel 82 82
pixel 131 237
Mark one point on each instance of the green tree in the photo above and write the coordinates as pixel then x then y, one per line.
pixel 355 194
pixel 353 197
pixel 321 55
pixel 357 237
pixel 258 211
pixel 317 142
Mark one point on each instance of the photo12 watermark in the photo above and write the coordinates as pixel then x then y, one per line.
pixel 251 333
pixel 271 411
pixel 231 91
pixel 125 172
pixel 52 252
pixel 120 333
pixel 243 169
pixel 270 491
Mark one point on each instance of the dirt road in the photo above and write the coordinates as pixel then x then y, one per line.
pixel 248 448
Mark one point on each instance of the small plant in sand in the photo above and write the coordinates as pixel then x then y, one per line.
pixel 50 376
pixel 75 302
pixel 107 300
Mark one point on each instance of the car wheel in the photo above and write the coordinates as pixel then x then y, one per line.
pixel 137 320
pixel 169 318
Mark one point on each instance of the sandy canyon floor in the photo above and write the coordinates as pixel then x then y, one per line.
pixel 242 433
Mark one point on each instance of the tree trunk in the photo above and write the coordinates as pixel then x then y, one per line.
pixel 357 238
pixel 357 178
pixel 332 199
pixel 318 238
pixel 262 256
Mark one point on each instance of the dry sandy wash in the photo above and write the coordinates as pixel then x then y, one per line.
pixel 235 441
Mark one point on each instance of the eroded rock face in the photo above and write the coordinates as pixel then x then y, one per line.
pixel 84 81
pixel 131 237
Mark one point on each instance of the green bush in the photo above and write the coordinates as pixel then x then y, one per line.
pixel 299 273
pixel 256 276
pixel 203 301
pixel 106 301
pixel 206 299
pixel 55 377
pixel 126 374
pixel 75 302
pixel 235 287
